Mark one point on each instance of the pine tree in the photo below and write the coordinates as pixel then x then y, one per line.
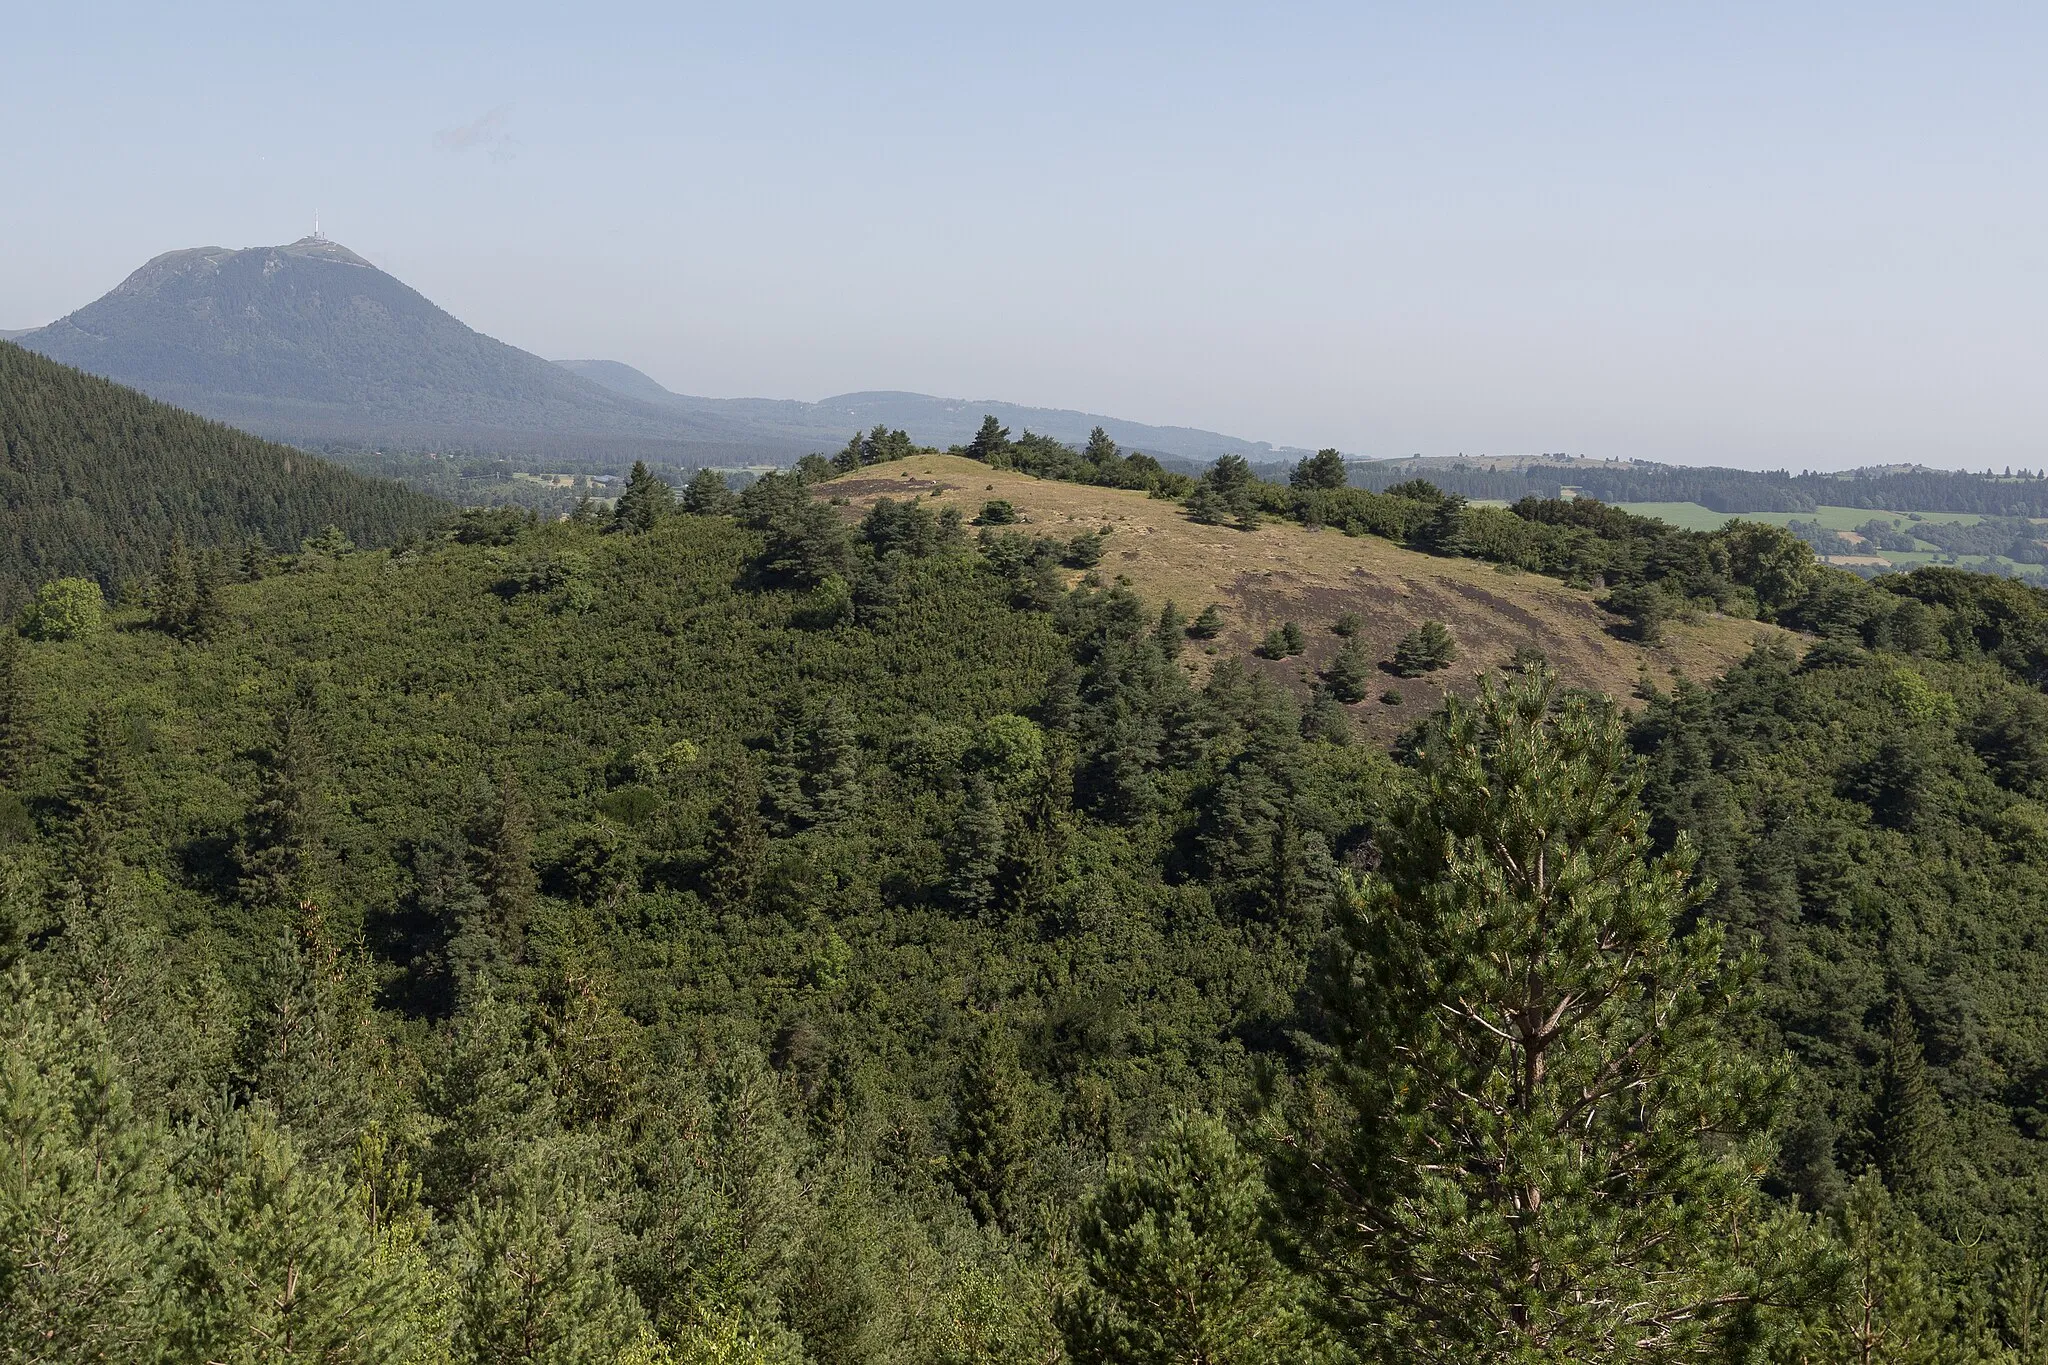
pixel 739 843
pixel 991 1128
pixel 645 500
pixel 1350 625
pixel 1177 1263
pixel 278 1262
pixel 1206 506
pixel 1350 673
pixel 1532 1138
pixel 1424 650
pixel 991 444
pixel 1208 625
pixel 86 1226
pixel 1909 1120
pixel 533 1286
pixel 1321 471
pixel 1101 451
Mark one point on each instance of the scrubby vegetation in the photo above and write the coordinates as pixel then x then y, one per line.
pixel 747 935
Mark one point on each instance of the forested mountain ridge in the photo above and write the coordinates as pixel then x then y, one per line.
pixel 767 930
pixel 99 480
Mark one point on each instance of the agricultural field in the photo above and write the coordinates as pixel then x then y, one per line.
pixel 1694 517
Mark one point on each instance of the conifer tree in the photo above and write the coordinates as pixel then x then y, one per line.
pixel 991 444
pixel 1532 1138
pixel 991 1128
pixel 644 501
pixel 1172 631
pixel 974 853
pixel 706 494
pixel 281 853
pixel 1209 624
pixel 848 459
pixel 15 714
pixel 255 561
pixel 86 1224
pixel 1424 650
pixel 1350 673
pixel 277 1262
pixel 175 590
pixel 832 767
pixel 739 843
pixel 1177 1262
pixel 504 865
pixel 1319 472
pixel 534 1288
pixel 313 1050
pixel 1909 1119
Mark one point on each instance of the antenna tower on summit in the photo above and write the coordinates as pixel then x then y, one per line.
pixel 316 227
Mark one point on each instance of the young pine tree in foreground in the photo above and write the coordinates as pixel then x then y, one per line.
pixel 1531 1138
pixel 1178 1266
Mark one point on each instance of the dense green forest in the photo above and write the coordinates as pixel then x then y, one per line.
pixel 98 481
pixel 714 932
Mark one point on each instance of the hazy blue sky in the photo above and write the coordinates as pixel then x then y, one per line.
pixel 1771 234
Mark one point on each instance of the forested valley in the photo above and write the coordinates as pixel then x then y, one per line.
pixel 719 929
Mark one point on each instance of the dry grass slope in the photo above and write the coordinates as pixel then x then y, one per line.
pixel 1284 572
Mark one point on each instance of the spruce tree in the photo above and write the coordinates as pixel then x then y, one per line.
pixel 1909 1119
pixel 1208 625
pixel 15 712
pixel 504 865
pixel 175 590
pixel 739 843
pixel 991 1128
pixel 974 853
pixel 1172 631
pixel 1177 1264
pixel 281 852
pixel 1533 1137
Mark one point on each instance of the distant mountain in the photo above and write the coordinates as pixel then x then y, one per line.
pixel 930 421
pixel 97 479
pixel 311 343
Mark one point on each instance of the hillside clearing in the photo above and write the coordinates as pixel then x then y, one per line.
pixel 1284 572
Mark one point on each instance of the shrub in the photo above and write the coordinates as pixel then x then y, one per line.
pixel 997 512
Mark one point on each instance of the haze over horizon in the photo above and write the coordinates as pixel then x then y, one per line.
pixel 1749 237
